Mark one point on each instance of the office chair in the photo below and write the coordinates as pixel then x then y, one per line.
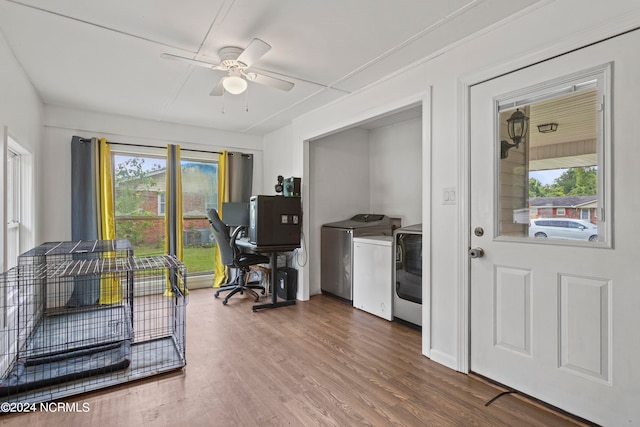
pixel 231 256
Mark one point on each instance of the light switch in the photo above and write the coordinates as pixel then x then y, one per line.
pixel 449 196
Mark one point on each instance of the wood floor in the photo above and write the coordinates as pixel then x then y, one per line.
pixel 319 362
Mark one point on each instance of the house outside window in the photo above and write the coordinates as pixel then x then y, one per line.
pixel 561 212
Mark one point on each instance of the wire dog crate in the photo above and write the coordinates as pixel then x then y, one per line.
pixel 79 316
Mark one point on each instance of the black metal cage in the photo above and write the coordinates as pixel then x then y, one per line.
pixel 78 316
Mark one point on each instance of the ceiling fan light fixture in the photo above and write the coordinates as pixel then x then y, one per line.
pixel 235 85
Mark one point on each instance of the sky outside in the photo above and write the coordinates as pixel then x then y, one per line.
pixel 546 177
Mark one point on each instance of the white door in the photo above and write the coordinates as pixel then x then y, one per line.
pixel 558 319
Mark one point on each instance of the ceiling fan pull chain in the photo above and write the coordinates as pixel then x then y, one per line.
pixel 246 100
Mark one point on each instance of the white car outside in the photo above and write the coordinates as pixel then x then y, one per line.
pixel 563 228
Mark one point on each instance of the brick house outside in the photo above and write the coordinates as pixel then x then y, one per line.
pixel 199 193
pixel 576 207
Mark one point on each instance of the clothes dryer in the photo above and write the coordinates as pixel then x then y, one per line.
pixel 407 274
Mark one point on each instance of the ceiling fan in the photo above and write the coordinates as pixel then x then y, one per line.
pixel 236 61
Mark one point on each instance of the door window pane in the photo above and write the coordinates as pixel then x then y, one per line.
pixel 138 180
pixel 549 169
pixel 199 193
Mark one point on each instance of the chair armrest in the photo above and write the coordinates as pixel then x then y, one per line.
pixel 236 233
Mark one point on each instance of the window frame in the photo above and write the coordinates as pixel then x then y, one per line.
pixel 18 204
pixel 599 77
pixel 22 217
pixel 160 152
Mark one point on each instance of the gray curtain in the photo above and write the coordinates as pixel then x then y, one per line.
pixel 85 218
pixel 240 168
pixel 84 195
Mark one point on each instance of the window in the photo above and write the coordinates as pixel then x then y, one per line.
pixel 199 193
pixel 140 203
pixel 138 179
pixel 18 216
pixel 552 146
pixel 13 208
pixel 19 202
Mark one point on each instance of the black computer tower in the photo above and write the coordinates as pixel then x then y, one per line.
pixel 275 220
pixel 287 283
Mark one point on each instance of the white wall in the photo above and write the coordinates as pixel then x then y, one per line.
pixel 279 159
pixel 539 33
pixel 60 124
pixel 338 188
pixel 21 113
pixel 395 170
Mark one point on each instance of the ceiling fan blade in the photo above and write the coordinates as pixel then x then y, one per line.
pixel 270 81
pixel 218 90
pixel 192 61
pixel 253 52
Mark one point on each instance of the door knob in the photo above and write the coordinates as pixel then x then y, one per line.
pixel 476 253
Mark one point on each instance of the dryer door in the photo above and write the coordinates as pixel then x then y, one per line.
pixel 407 295
pixel 408 284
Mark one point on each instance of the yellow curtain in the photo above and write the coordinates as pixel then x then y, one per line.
pixel 173 213
pixel 220 272
pixel 110 291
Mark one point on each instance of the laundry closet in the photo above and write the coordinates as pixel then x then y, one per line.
pixel 373 167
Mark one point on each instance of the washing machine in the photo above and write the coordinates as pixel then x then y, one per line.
pixel 336 251
pixel 407 274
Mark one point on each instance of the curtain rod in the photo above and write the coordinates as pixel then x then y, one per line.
pixel 153 146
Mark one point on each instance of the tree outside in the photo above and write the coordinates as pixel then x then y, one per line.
pixel 133 182
pixel 579 181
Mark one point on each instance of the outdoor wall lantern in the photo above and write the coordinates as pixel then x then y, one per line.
pixel 517 126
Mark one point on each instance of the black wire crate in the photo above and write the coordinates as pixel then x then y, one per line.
pixel 57 342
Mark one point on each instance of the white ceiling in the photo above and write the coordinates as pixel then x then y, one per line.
pixel 105 55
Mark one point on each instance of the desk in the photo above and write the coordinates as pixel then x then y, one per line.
pixel 273 251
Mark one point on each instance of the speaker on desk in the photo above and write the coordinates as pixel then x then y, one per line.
pixel 287 283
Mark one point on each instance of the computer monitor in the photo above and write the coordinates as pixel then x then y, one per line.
pixel 235 213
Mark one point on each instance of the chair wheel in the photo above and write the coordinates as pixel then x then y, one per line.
pixel 224 302
pixel 216 295
pixel 264 292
